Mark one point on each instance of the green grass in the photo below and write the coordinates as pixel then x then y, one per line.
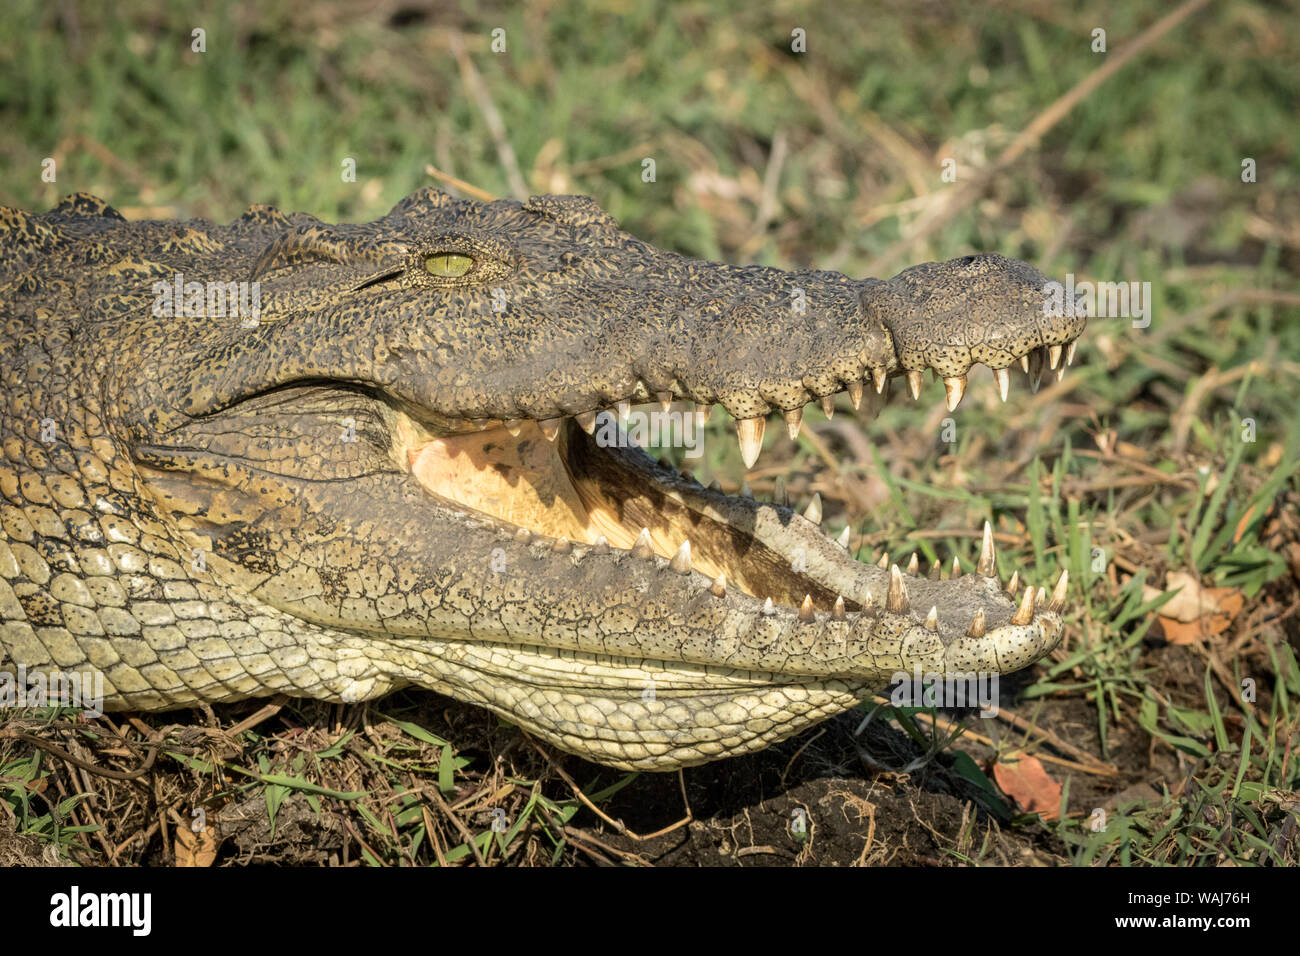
pixel 1140 182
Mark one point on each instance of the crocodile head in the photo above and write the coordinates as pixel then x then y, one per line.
pixel 407 467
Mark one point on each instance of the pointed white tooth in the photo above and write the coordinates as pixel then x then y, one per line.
pixel 914 383
pixel 932 619
pixel 768 610
pixel 897 599
pixel 1041 596
pixel 793 421
pixel 561 545
pixel 878 378
pixel 814 510
pixel 749 432
pixel 1004 382
pixel 1036 363
pixel 665 399
pixel 855 394
pixel 883 563
pixel 954 389
pixel 956 567
pixel 551 427
pixel 642 548
pixel 987 565
pixel 681 562
pixel 976 628
pixel 1054 356
pixel 843 539
pixel 600 545
pixel 1025 613
pixel 828 406
pixel 586 421
pixel 936 570
pixel 719 586
pixel 1058 592
pixel 914 564
pixel 1024 363
pixel 837 612
pixel 624 410
pixel 806 610
pixel 706 412
pixel 514 426
pixel 1069 352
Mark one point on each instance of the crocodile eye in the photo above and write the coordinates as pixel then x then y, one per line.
pixel 449 265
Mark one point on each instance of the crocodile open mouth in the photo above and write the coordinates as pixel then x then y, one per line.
pixel 579 481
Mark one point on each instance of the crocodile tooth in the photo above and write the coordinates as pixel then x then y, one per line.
pixel 705 412
pixel 780 496
pixel 1014 584
pixel 586 421
pixel 1025 613
pixel 936 570
pixel 1024 363
pixel 1058 592
pixel 855 395
pixel 913 564
pixel 837 612
pixel 1054 356
pixel 976 628
pixel 932 619
pixel 954 389
pixel 523 536
pixel 914 383
pixel 715 485
pixel 956 567
pixel 689 476
pixel 601 546
pixel 1036 362
pixel 843 539
pixel 1069 352
pixel 879 377
pixel 665 399
pixel 719 586
pixel 561 545
pixel 624 410
pixel 746 491
pixel 767 610
pixel 749 432
pixel 681 562
pixel 643 548
pixel 514 426
pixel 814 510
pixel 1060 372
pixel 1004 382
pixel 883 563
pixel 550 427
pixel 1042 596
pixel 897 599
pixel 793 421
pixel 828 406
pixel 806 610
pixel 988 564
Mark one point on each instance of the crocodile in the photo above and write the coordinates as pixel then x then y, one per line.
pixel 283 456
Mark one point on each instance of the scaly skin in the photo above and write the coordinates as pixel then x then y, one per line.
pixel 329 505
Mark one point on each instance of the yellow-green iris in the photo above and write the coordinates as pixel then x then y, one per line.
pixel 448 264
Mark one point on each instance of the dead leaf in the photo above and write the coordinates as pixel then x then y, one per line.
pixel 1195 611
pixel 197 849
pixel 1025 781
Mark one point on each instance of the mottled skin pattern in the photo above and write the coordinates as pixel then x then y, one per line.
pixel 204 511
